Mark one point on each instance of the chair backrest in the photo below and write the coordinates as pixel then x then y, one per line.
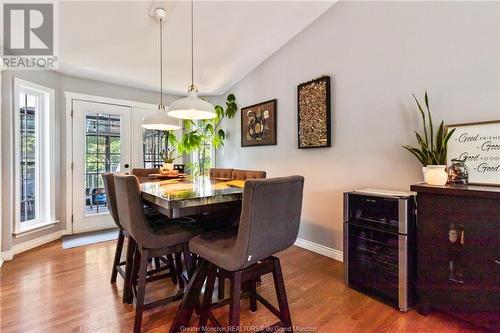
pixel 247 174
pixel 109 187
pixel 130 207
pixel 180 167
pixel 143 173
pixel 221 173
pixel 270 217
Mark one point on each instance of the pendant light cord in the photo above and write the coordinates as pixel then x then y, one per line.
pixel 161 65
pixel 192 45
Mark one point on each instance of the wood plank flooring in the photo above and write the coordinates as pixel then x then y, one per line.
pixel 49 289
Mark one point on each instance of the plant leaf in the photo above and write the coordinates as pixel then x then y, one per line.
pixel 423 118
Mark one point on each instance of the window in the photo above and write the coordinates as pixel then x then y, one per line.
pixel 34 169
pixel 102 154
pixel 154 143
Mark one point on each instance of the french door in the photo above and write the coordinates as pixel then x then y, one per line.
pixel 107 138
pixel 101 143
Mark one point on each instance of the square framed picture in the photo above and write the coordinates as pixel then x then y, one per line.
pixel 314 119
pixel 258 124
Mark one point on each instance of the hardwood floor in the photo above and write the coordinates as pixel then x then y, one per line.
pixel 49 289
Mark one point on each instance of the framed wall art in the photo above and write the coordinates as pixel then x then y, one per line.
pixel 314 119
pixel 478 144
pixel 258 124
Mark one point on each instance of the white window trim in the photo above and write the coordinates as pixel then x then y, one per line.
pixel 46 154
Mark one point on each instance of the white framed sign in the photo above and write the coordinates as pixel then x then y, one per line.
pixel 479 145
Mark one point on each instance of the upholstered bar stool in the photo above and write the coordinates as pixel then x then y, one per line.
pixel 151 215
pixel 151 241
pixel 269 223
pixel 143 173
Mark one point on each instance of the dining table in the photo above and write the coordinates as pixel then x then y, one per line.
pixel 191 195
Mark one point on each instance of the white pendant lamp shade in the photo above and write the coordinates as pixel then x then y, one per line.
pixel 192 107
pixel 160 121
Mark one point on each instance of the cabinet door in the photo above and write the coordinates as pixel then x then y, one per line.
pixel 452 276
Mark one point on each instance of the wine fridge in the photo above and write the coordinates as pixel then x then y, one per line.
pixel 379 245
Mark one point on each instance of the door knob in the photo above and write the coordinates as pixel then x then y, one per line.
pixel 126 166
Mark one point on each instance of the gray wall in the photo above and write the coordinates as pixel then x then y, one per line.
pixel 60 83
pixel 377 54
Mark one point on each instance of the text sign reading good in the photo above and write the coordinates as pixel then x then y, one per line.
pixel 479 145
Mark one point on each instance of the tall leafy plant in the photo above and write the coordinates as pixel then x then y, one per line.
pixel 199 136
pixel 432 149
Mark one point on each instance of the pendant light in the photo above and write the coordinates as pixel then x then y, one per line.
pixel 192 107
pixel 160 120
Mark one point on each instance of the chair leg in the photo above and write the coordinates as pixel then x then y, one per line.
pixel 279 285
pixel 207 296
pixel 188 260
pixel 127 285
pixel 141 290
pixel 234 305
pixel 221 288
pixel 178 270
pixel 253 295
pixel 157 263
pixel 118 255
pixel 171 265
pixel 190 299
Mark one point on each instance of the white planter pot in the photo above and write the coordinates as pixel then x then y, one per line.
pixel 436 175
pixel 424 173
pixel 168 166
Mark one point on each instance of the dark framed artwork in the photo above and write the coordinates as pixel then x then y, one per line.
pixel 314 118
pixel 258 124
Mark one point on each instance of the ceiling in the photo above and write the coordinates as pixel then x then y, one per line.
pixel 117 42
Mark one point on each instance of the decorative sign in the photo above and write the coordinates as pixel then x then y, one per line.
pixel 258 124
pixel 479 145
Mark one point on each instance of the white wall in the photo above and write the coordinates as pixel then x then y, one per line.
pixel 377 54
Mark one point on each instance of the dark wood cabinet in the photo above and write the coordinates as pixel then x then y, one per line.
pixel 458 251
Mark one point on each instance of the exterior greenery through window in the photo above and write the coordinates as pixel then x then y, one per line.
pixel 28 112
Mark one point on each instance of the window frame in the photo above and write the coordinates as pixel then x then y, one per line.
pixel 45 157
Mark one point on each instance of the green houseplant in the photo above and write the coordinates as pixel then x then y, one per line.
pixel 199 136
pixel 167 155
pixel 432 149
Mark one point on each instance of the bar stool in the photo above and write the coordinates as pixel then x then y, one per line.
pixel 269 223
pixel 152 215
pixel 151 241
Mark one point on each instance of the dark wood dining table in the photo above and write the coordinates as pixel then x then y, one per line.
pixel 190 195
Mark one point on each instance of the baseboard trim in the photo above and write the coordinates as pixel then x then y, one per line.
pixel 7 255
pixel 16 249
pixel 320 249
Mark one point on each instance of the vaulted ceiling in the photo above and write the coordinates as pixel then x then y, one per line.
pixel 118 42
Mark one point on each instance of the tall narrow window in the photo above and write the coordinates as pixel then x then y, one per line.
pixel 33 156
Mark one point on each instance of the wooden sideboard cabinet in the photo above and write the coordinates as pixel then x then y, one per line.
pixel 458 252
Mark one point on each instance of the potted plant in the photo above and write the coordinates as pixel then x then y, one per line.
pixel 432 149
pixel 167 154
pixel 199 136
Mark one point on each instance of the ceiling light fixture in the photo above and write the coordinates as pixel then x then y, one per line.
pixel 192 107
pixel 160 120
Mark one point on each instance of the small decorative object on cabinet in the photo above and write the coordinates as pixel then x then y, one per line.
pixel 458 258
pixel 314 120
pixel 478 144
pixel 457 172
pixel 379 241
pixel 258 124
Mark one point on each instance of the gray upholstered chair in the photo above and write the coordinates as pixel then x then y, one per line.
pixel 220 173
pixel 151 241
pixel 143 173
pixel 152 215
pixel 247 174
pixel 269 223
